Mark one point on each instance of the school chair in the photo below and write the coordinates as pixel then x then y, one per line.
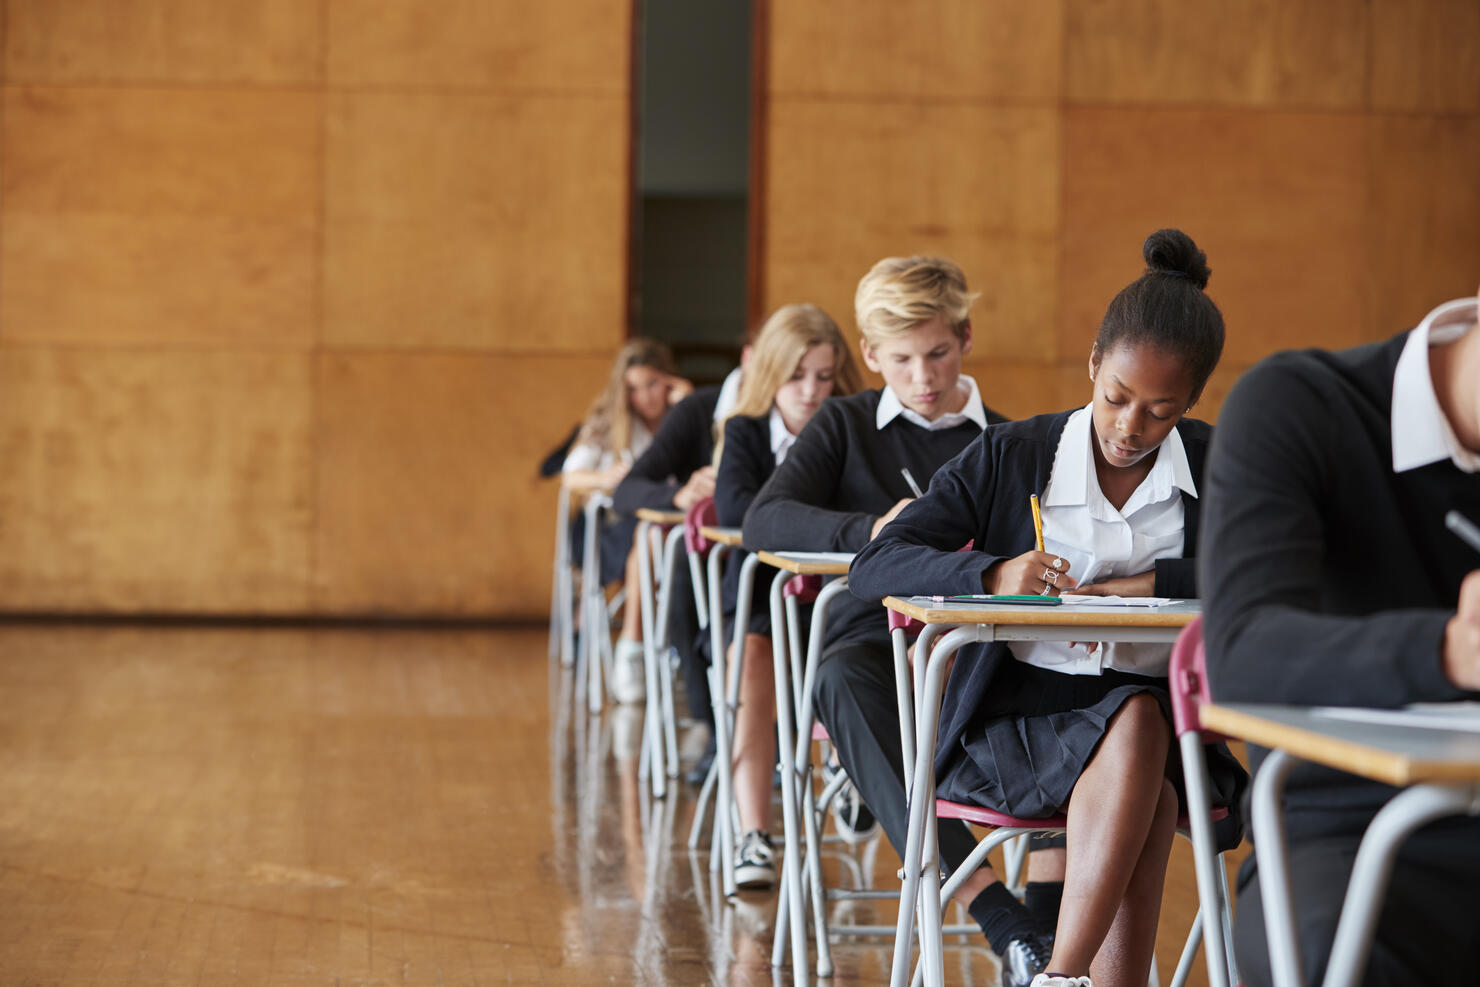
pixel 1189 687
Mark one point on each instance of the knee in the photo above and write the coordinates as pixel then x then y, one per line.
pixel 1140 722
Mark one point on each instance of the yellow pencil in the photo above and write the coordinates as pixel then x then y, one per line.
pixel 1037 521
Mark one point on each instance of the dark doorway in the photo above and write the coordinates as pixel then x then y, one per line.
pixel 692 157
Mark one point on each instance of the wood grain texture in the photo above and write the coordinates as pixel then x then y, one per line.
pixel 1241 53
pixel 849 184
pixel 159 216
pixel 557 46
pixel 1427 56
pixel 940 50
pixel 471 221
pixel 168 482
pixel 159 41
pixel 1425 215
pixel 428 500
pixel 1277 201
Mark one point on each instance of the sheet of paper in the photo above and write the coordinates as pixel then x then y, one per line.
pixel 1077 600
pixel 1436 716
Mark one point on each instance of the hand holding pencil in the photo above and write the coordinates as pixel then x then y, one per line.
pixel 1036 572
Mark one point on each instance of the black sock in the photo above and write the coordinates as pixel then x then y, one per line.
pixel 1001 916
pixel 1043 899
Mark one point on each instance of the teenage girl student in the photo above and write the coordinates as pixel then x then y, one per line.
pixel 1035 729
pixel 798 359
pixel 618 429
pixel 839 486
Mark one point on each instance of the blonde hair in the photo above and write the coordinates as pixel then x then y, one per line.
pixel 608 424
pixel 899 293
pixel 780 346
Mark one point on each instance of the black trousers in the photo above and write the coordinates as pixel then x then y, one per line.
pixel 855 699
pixel 1428 929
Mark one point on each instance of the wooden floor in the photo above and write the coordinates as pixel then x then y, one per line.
pixel 304 806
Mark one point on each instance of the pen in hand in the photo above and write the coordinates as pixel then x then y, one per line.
pixel 1464 527
pixel 1037 522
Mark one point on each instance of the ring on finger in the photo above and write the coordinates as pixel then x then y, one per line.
pixel 1050 576
pixel 1058 562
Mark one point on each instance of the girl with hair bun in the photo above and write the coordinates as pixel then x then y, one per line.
pixel 1043 728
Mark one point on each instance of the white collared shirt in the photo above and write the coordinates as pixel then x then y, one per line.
pixel 729 393
pixel 891 407
pixel 781 439
pixel 1100 542
pixel 591 457
pixel 1421 433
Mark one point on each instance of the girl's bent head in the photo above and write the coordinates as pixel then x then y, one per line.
pixel 636 387
pixel 1165 309
pixel 798 358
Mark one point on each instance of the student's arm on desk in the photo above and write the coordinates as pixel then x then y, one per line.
pixel 1262 545
pixel 660 472
pixel 917 553
pixel 785 514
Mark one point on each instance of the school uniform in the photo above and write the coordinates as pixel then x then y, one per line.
pixel 842 474
pixel 615 535
pixel 684 443
pixel 753 448
pixel 1021 720
pixel 1330 578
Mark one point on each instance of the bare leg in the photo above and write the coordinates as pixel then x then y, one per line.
pixel 1046 865
pixel 754 755
pixel 1125 956
pixel 1117 815
pixel 632 606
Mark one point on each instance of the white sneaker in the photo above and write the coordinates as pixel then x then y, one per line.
pixel 1044 980
pixel 629 675
pixel 755 861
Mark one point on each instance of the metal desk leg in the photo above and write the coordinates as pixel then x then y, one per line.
pixel 661 647
pixel 1274 869
pixel 652 730
pixel 786 750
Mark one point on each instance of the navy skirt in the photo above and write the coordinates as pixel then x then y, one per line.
pixel 1028 745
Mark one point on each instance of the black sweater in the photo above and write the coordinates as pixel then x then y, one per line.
pixel 1329 577
pixel 841 476
pixel 982 496
pixel 745 465
pixel 685 442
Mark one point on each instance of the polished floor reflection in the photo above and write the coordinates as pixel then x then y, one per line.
pixel 286 806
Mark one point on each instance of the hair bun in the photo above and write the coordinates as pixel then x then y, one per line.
pixel 1173 252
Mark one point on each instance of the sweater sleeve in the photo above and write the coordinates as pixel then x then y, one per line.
pixel 788 512
pixel 743 469
pixel 1276 453
pixel 658 473
pixel 918 553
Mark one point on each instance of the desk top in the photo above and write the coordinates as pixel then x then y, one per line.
pixel 931 610
pixel 655 516
pixel 809 563
pixel 722 536
pixel 586 486
pixel 1397 755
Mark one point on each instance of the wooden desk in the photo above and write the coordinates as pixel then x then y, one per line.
pixel 660 727
pixel 653 515
pixel 729 537
pixel 957 625
pixel 1438 768
pixel 809 563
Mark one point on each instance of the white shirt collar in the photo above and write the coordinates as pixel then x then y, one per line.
pixel 729 393
pixel 781 439
pixel 891 407
pixel 1421 433
pixel 1073 469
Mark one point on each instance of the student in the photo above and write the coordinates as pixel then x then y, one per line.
pixel 798 359
pixel 840 483
pixel 1332 581
pixel 675 473
pixel 618 429
pixel 1033 729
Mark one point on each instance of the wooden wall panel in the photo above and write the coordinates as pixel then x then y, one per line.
pixel 457 220
pixel 1239 53
pixel 1276 200
pixel 1425 233
pixel 557 45
pixel 151 41
pixel 428 499
pixel 159 216
pixel 145 481
pixel 945 50
pixel 1428 58
pixel 851 183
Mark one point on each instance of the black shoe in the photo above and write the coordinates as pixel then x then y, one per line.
pixel 1024 959
pixel 700 771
